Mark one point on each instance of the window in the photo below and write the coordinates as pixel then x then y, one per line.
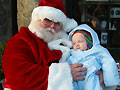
pixel 103 16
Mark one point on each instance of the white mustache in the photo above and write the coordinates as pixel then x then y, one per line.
pixel 51 30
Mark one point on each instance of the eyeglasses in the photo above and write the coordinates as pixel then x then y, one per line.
pixel 48 23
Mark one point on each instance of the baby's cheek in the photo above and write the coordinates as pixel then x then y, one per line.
pixel 74 48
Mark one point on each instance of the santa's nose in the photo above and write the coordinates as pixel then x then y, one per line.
pixel 52 25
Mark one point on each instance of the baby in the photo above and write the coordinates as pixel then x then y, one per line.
pixel 88 51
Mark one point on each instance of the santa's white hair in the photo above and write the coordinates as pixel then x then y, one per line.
pixel 47 34
pixel 54 39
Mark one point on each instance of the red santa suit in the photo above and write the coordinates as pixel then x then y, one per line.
pixel 28 63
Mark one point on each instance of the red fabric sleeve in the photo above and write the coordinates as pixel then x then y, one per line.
pixel 21 68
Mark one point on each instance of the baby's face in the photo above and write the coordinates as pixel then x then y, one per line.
pixel 79 42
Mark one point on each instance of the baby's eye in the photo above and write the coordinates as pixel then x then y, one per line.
pixel 73 43
pixel 80 41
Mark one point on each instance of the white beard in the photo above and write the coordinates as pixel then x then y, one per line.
pixel 47 34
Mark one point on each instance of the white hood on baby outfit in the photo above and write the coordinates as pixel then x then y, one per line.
pixel 89 29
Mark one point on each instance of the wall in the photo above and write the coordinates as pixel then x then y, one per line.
pixel 25 8
pixel 5 20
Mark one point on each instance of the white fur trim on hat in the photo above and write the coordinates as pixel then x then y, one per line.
pixel 55 15
pixel 70 24
pixel 51 13
pixel 60 77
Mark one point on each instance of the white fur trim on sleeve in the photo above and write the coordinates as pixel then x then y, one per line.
pixel 60 77
pixel 65 48
pixel 7 89
pixel 56 44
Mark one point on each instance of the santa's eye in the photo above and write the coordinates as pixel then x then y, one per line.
pixel 47 20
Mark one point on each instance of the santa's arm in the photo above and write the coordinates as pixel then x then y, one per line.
pixel 22 71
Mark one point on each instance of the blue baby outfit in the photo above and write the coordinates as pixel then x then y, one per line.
pixel 94 59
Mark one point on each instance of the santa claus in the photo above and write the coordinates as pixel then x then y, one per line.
pixel 29 64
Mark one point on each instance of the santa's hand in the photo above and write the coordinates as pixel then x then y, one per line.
pixel 66 42
pixel 77 70
pixel 60 42
pixel 100 73
pixel 56 44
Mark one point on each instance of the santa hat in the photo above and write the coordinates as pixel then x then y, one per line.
pixel 88 37
pixel 53 10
